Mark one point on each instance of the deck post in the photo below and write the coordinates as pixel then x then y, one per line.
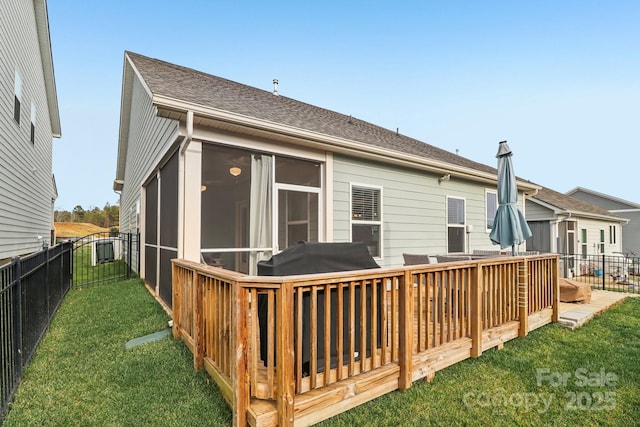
pixel 176 283
pixel 406 331
pixel 198 322
pixel 239 347
pixel 523 297
pixel 284 355
pixel 555 288
pixel 477 286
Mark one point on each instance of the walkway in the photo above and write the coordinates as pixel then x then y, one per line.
pixel 574 315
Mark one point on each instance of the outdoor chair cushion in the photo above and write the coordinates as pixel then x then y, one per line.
pixel 412 259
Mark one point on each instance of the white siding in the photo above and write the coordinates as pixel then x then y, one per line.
pixel 26 188
pixel 149 139
pixel 413 208
pixel 593 236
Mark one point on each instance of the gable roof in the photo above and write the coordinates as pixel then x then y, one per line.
pixel 229 105
pixel 626 203
pixel 44 42
pixel 564 204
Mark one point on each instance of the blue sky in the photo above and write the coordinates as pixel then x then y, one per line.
pixel 560 80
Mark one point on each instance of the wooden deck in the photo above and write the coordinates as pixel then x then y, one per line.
pixel 299 349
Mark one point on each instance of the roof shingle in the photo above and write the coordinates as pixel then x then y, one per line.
pixel 189 85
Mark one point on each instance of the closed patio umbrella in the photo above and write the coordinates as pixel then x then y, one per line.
pixel 509 225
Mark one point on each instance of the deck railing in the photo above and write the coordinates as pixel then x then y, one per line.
pixel 283 349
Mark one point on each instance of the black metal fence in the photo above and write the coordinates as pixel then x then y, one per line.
pixel 105 257
pixel 609 272
pixel 31 289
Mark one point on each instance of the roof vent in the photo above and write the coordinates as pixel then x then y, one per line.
pixel 275 87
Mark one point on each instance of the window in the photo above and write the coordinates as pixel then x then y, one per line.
pixel 17 95
pixel 33 123
pixel 612 234
pixel 455 225
pixel 601 241
pixel 492 207
pixel 583 242
pixel 366 218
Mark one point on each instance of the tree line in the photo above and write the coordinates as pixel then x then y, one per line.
pixel 107 217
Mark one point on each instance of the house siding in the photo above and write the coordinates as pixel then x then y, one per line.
pixel 593 228
pixel 631 231
pixel 26 187
pixel 149 139
pixel 413 208
pixel 535 212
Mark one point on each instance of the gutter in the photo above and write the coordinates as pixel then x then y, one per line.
pixel 181 203
pixel 344 145
pixel 189 136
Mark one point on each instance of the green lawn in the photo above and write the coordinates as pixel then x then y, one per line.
pixel 83 376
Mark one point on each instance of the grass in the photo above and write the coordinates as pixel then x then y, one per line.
pixel 85 273
pixel 82 375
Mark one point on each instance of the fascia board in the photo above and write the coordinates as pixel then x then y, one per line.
pixel 338 144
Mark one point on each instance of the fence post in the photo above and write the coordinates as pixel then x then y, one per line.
pixel 17 314
pixel 523 297
pixel 198 322
pixel 406 331
pixel 603 275
pixel 129 249
pixel 477 286
pixel 284 355
pixel 47 284
pixel 239 350
pixel 176 283
pixel 555 290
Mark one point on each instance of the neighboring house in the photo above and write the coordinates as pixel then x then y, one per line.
pixel 566 225
pixel 630 235
pixel 215 171
pixel 29 120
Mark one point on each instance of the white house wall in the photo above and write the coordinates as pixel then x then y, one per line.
pixel 26 188
pixel 413 208
pixel 593 228
pixel 631 230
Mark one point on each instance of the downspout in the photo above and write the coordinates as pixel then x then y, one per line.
pixel 183 150
pixel 189 136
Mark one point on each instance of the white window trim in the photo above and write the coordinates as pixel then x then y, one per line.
pixel 379 222
pixel 486 206
pixel 463 226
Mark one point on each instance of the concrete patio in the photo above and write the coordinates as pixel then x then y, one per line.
pixel 575 314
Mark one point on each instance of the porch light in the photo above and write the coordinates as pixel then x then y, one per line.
pixel 203 187
pixel 235 171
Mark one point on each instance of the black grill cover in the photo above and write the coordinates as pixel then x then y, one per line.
pixel 308 258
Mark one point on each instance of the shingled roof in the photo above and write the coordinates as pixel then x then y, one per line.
pixel 570 204
pixel 188 85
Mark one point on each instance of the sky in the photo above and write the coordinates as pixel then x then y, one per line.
pixel 559 80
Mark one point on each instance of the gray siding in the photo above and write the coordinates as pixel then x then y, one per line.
pixel 26 188
pixel 535 212
pixel 603 202
pixel 413 208
pixel 631 232
pixel 149 139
